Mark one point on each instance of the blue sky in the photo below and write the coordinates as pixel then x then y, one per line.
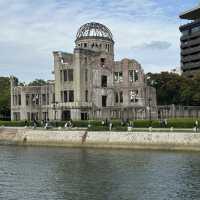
pixel 30 30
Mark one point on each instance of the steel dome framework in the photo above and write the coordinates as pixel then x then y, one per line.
pixel 94 29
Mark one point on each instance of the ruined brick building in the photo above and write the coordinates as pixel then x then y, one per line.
pixel 89 84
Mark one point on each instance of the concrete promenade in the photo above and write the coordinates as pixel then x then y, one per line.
pixel 82 138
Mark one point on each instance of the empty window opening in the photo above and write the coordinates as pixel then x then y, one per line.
pixel 103 81
pixel 68 74
pixel 116 97
pixel 121 97
pixel 118 76
pixel 85 60
pixel 102 62
pixel 66 115
pixel 71 96
pixel 65 96
pixel 133 75
pixel 86 96
pixel 104 101
pixel 84 116
pixel 27 99
pixel 134 96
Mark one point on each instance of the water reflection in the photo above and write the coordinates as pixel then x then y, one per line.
pixel 59 173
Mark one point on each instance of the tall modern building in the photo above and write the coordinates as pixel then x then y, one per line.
pixel 190 42
pixel 88 84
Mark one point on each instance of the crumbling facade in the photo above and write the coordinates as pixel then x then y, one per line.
pixel 89 84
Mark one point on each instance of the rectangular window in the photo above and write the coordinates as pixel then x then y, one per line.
pixel 104 101
pixel 84 116
pixel 71 96
pixel 118 76
pixel 85 60
pixel 27 99
pixel 61 96
pixel 47 99
pixel 102 62
pixel 37 98
pixel 86 96
pixel 121 97
pixel 54 98
pixel 130 75
pixel 19 100
pixel 136 75
pixel 133 75
pixel 44 100
pixel 65 96
pixel 86 75
pixel 65 75
pixel 134 96
pixel 70 75
pixel 61 75
pixel 103 81
pixel 116 97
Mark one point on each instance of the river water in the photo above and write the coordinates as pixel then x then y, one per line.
pixel 40 173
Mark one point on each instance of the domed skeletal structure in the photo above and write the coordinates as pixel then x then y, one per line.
pixel 92 30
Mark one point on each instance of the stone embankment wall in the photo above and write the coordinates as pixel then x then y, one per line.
pixel 134 140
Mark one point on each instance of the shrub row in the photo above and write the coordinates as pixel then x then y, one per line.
pixel 117 124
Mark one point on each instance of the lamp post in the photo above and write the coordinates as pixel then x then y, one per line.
pixel 149 106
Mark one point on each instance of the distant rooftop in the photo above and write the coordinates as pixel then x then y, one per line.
pixel 191 14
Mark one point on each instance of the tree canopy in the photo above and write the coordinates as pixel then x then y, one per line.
pixel 175 89
pixel 37 82
pixel 5 96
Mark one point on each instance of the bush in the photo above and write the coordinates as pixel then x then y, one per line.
pixel 96 125
pixel 12 123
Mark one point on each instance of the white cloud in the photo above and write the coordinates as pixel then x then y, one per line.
pixel 31 30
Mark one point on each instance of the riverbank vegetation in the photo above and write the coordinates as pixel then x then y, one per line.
pixel 4 97
pixel 175 89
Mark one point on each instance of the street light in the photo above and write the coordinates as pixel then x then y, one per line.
pixel 149 108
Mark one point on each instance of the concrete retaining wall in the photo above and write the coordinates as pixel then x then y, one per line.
pixel 137 140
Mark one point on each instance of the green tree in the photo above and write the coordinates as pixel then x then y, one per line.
pixel 37 82
pixel 5 96
pixel 175 89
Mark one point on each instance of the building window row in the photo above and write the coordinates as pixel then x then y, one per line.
pixel 37 99
pixel 95 45
pixel 17 100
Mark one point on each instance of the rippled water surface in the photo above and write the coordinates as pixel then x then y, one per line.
pixel 83 174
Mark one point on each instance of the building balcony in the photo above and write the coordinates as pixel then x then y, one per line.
pixel 195 57
pixel 190 43
pixel 190 50
pixel 190 66
pixel 191 36
pixel 189 25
